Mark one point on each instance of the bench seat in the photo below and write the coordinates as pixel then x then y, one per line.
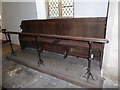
pixel 66 43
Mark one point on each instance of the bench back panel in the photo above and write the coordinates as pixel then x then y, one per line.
pixel 80 27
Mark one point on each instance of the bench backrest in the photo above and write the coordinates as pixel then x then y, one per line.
pixel 81 27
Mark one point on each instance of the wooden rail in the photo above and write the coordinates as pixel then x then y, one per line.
pixel 87 39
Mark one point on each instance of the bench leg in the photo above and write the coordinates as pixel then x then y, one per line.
pixel 88 73
pixel 101 59
pixel 9 38
pixel 90 57
pixel 40 61
pixel 66 54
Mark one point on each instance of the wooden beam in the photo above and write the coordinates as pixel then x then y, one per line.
pixel 86 39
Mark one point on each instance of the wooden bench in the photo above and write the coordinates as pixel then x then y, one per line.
pixel 80 37
pixel 77 27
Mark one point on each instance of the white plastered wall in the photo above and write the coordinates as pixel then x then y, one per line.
pixel 14 12
pixel 88 8
pixel 110 58
pixel 41 9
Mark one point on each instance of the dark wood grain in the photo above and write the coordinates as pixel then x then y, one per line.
pixel 98 40
pixel 84 39
pixel 91 29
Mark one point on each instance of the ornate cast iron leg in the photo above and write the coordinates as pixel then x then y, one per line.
pixel 9 38
pixel 40 61
pixel 90 57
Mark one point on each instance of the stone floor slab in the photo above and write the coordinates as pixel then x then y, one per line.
pixel 61 84
pixel 26 77
pixel 70 69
